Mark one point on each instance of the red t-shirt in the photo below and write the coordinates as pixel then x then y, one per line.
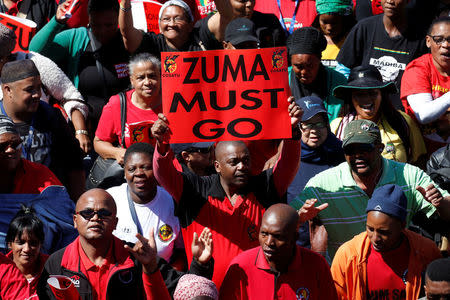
pixel 109 125
pixel 33 178
pixel 306 12
pixel 386 271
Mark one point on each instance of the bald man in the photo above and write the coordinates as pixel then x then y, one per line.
pixel 98 263
pixel 231 203
pixel 278 268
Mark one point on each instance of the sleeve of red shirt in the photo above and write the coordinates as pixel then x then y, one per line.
pixel 166 174
pixel 287 166
pixel 109 122
pixel 33 178
pixel 415 80
pixel 326 283
pixel 154 286
pixel 233 286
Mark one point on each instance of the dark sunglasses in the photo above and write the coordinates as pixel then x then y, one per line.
pixel 89 213
pixel 362 148
pixel 15 145
pixel 199 150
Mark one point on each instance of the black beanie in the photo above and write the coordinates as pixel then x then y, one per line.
pixel 306 40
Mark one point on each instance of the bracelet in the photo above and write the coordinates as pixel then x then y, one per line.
pixel 81 131
pixel 125 9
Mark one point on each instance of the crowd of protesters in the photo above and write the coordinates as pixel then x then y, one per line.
pixel 355 205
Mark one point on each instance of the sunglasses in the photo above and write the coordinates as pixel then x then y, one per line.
pixel 14 145
pixel 199 150
pixel 309 126
pixel 89 213
pixel 355 149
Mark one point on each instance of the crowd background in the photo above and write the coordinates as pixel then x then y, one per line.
pixel 355 205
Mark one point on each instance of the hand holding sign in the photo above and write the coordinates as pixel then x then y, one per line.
pixel 161 132
pixel 295 111
pixel 60 15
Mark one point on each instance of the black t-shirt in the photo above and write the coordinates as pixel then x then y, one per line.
pixel 114 59
pixel 268 30
pixel 156 43
pixel 369 43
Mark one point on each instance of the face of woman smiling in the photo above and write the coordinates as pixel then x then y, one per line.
pixel 367 103
pixel 315 136
pixel 25 250
pixel 146 80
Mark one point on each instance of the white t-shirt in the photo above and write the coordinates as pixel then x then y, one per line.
pixel 158 213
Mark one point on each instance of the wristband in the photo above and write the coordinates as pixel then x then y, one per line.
pixel 125 9
pixel 81 131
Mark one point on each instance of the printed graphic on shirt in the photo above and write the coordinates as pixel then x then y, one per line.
pixel 165 233
pixel 388 66
pixel 287 22
pixel 121 70
pixel 302 293
pixel 386 294
pixel 38 148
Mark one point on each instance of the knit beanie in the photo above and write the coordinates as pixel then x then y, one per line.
pixel 7 40
pixel 190 286
pixel 306 40
pixel 389 199
pixel 338 7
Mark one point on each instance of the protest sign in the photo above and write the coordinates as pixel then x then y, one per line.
pixel 23 28
pixel 146 15
pixel 205 7
pixel 140 132
pixel 226 94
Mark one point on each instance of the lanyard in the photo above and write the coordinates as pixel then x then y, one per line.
pixel 29 140
pixel 291 27
pixel 133 213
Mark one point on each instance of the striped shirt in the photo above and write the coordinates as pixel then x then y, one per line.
pixel 345 216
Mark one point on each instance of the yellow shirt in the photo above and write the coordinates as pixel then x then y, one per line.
pixel 330 53
pixel 394 148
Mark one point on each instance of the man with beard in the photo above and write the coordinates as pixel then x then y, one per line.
pixel 347 187
pixel 231 203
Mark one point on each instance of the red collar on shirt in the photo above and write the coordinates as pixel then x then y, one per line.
pixel 261 261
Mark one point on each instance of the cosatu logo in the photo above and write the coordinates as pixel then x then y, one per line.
pixel 170 64
pixel 277 59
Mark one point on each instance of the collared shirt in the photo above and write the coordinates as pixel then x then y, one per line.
pixel 345 216
pixel 249 276
pixel 97 275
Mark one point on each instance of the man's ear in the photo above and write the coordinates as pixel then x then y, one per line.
pixel 184 155
pixel 74 223
pixel 217 166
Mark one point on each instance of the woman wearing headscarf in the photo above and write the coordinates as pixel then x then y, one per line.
pixel 176 25
pixel 334 19
pixel 367 97
pixel 308 77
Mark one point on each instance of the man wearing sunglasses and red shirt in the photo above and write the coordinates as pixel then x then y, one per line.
pixel 347 187
pixel 99 264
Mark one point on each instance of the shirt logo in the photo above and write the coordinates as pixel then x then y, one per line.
pixel 165 233
pixel 302 293
pixel 121 70
pixel 75 280
pixel 388 66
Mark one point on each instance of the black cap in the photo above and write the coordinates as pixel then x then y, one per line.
pixel 363 78
pixel 311 105
pixel 17 70
pixel 241 30
pixel 306 40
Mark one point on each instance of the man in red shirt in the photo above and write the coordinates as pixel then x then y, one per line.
pixel 278 268
pixel 20 176
pixel 231 203
pixel 386 261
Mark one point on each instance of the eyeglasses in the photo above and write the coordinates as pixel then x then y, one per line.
pixel 309 126
pixel 176 20
pixel 361 148
pixel 439 39
pixel 13 144
pixel 89 213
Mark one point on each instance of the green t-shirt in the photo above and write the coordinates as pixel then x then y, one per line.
pixel 345 216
